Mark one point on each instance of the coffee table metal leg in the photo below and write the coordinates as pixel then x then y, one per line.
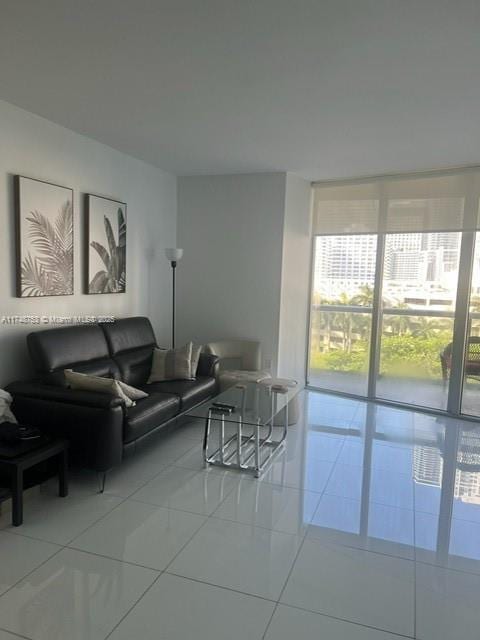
pixel 285 427
pixel 257 450
pixel 17 497
pixel 239 441
pixel 63 474
pixel 206 437
pixel 221 437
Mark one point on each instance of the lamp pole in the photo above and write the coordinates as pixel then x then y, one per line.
pixel 173 255
pixel 174 268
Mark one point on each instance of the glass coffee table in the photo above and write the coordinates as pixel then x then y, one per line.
pixel 247 416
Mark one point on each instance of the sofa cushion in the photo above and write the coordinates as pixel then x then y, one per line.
pixel 190 392
pixel 149 413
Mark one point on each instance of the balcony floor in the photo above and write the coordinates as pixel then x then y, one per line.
pixel 411 391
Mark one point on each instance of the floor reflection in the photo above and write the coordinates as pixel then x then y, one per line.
pixel 403 483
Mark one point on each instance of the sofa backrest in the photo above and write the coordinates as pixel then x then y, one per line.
pixel 83 348
pixel 131 342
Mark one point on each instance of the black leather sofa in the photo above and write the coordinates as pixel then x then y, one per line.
pixel 99 427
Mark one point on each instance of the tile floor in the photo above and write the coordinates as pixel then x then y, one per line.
pixel 367 527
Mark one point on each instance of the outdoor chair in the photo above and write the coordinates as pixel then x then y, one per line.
pixel 472 360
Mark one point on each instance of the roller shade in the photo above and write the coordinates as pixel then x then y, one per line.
pixel 346 209
pixel 398 204
pixel 426 204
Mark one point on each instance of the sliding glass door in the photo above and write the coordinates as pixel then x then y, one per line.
pixel 419 292
pixel 393 273
pixel 471 372
pixel 341 314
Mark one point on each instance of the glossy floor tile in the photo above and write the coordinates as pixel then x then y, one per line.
pixel 385 487
pixel 179 609
pixel 288 623
pixel 270 506
pixel 188 490
pixel 193 459
pixel 289 469
pixel 447 604
pixel 369 526
pixel 238 556
pixel 122 481
pixel 73 595
pixel 319 447
pixel 382 456
pixel 19 556
pixel 59 520
pixel 359 586
pixel 5 635
pixel 366 527
pixel 140 533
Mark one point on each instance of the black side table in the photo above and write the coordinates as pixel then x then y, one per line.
pixel 18 457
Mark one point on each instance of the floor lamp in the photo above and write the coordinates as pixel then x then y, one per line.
pixel 173 255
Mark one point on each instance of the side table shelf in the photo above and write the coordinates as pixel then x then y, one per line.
pixel 18 458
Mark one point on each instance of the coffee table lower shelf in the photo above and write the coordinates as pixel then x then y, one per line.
pixel 251 453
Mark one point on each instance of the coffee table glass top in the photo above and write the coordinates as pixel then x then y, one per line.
pixel 253 403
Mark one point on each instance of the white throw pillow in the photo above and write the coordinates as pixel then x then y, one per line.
pixel 6 414
pixel 113 387
pixel 132 392
pixel 171 364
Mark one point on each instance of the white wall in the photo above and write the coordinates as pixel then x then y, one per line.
pixel 37 148
pixel 245 272
pixel 295 289
pixel 230 228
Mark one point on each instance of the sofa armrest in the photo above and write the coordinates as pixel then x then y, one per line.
pixel 208 365
pixel 33 389
pixel 92 422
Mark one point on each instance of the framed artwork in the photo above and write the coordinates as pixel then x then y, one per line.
pixel 44 214
pixel 106 245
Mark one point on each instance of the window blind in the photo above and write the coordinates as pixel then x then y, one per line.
pixel 345 209
pixel 425 204
pixel 432 203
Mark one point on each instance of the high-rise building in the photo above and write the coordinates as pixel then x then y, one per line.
pixel 344 263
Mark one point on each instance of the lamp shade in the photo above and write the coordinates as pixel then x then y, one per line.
pixel 174 255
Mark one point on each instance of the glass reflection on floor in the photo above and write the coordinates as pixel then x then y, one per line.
pixel 403 483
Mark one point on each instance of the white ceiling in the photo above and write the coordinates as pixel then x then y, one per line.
pixel 322 88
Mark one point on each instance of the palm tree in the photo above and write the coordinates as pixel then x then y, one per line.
pixel 398 324
pixel 423 327
pixel 364 297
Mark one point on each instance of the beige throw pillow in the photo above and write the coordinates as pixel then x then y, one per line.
pixel 113 387
pixel 173 364
pixel 196 350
